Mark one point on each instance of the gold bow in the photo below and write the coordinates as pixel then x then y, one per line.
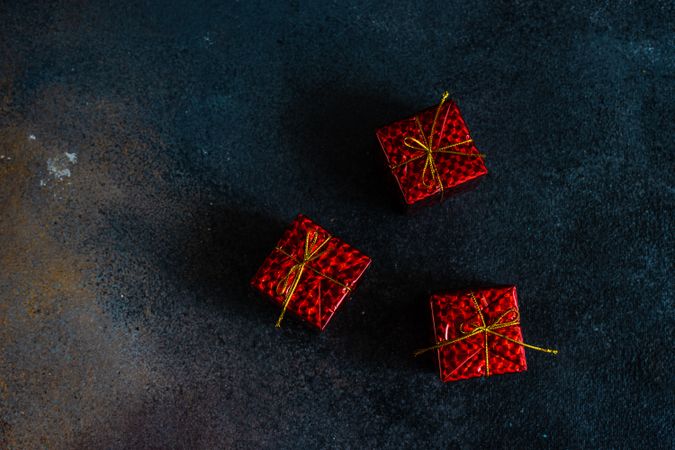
pixel 486 329
pixel 286 287
pixel 426 146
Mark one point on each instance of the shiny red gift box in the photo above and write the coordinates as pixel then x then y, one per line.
pixel 478 333
pixel 309 273
pixel 431 153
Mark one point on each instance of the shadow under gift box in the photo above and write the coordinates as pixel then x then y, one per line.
pixel 431 154
pixel 477 333
pixel 310 273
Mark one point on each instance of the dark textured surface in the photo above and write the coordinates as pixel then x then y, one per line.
pixel 194 133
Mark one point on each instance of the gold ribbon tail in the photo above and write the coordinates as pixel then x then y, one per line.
pixel 531 347
pixel 290 292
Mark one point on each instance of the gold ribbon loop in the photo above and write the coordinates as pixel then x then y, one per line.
pixel 289 283
pixel 426 145
pixel 483 327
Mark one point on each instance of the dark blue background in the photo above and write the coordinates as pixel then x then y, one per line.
pixel 201 128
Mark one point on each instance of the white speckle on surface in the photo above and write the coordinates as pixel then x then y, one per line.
pixel 43 183
pixel 58 173
pixel 58 167
pixel 31 137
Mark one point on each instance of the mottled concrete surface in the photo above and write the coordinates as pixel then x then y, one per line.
pixel 151 153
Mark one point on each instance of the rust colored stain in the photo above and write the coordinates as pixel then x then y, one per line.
pixel 60 348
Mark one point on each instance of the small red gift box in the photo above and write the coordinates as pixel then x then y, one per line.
pixel 478 333
pixel 310 272
pixel 431 152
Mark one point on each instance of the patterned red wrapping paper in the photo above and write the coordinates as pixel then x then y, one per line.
pixel 431 152
pixel 311 271
pixel 478 333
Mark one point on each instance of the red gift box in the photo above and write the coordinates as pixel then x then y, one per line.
pixel 431 152
pixel 310 272
pixel 478 333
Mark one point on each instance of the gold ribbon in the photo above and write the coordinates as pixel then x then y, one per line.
pixel 427 148
pixel 486 329
pixel 286 287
